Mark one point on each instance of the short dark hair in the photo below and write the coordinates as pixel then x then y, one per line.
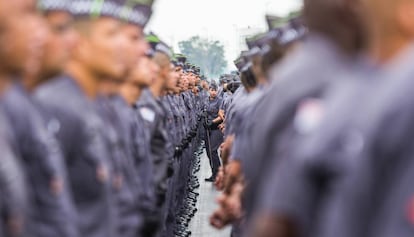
pixel 248 79
pixel 274 55
pixel 338 20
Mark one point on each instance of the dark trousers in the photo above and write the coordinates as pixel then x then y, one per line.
pixel 213 139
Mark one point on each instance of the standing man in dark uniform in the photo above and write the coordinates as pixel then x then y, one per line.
pixel 154 114
pixel 139 75
pixel 51 208
pixel 213 137
pixel 375 197
pixel 297 111
pixel 70 100
pixel 118 121
pixel 14 200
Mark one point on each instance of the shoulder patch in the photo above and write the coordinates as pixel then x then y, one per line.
pixel 147 114
pixel 53 126
pixel 309 115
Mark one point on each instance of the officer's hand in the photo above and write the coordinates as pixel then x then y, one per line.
pixel 221 127
pixel 267 225
pixel 219 219
pixel 226 149
pixel 102 173
pixel 233 202
pixel 118 181
pixel 15 226
pixel 219 183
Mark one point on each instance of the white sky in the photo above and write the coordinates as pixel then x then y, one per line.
pixel 224 20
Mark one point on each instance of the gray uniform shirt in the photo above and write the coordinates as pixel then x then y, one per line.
pixel 51 214
pixel 80 132
pixel 299 79
pixel 154 117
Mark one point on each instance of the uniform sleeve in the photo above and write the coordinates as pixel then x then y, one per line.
pixel 12 184
pixel 289 192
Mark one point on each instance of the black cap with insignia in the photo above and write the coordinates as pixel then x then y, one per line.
pixel 54 5
pixel 179 60
pixel 213 86
pixel 158 46
pixel 131 11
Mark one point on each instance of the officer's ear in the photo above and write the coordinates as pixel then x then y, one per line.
pixel 82 32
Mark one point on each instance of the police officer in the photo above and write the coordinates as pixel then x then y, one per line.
pixel 119 121
pixel 380 204
pixel 70 100
pixel 339 53
pixel 139 77
pixel 175 123
pixel 15 201
pixel 153 112
pixel 51 212
pixel 213 137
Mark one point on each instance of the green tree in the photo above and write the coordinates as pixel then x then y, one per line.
pixel 207 54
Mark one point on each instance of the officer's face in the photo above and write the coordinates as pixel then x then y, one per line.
pixel 185 82
pixel 135 46
pixel 195 90
pixel 174 77
pixel 59 43
pixel 213 93
pixel 12 8
pixel 205 85
pixel 144 73
pixel 22 48
pixel 182 82
pixel 100 48
pixel 191 81
pixel 391 18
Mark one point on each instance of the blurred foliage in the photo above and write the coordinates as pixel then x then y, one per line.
pixel 207 54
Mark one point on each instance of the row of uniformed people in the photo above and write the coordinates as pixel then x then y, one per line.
pixel 320 144
pixel 98 129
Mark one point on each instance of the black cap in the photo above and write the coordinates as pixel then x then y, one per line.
pixel 213 86
pixel 252 41
pixel 261 43
pixel 188 67
pixel 54 5
pixel 197 71
pixel 292 32
pixel 158 46
pixel 180 58
pixel 132 11
pixel 239 62
pixel 275 22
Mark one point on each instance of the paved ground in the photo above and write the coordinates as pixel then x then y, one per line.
pixel 200 226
